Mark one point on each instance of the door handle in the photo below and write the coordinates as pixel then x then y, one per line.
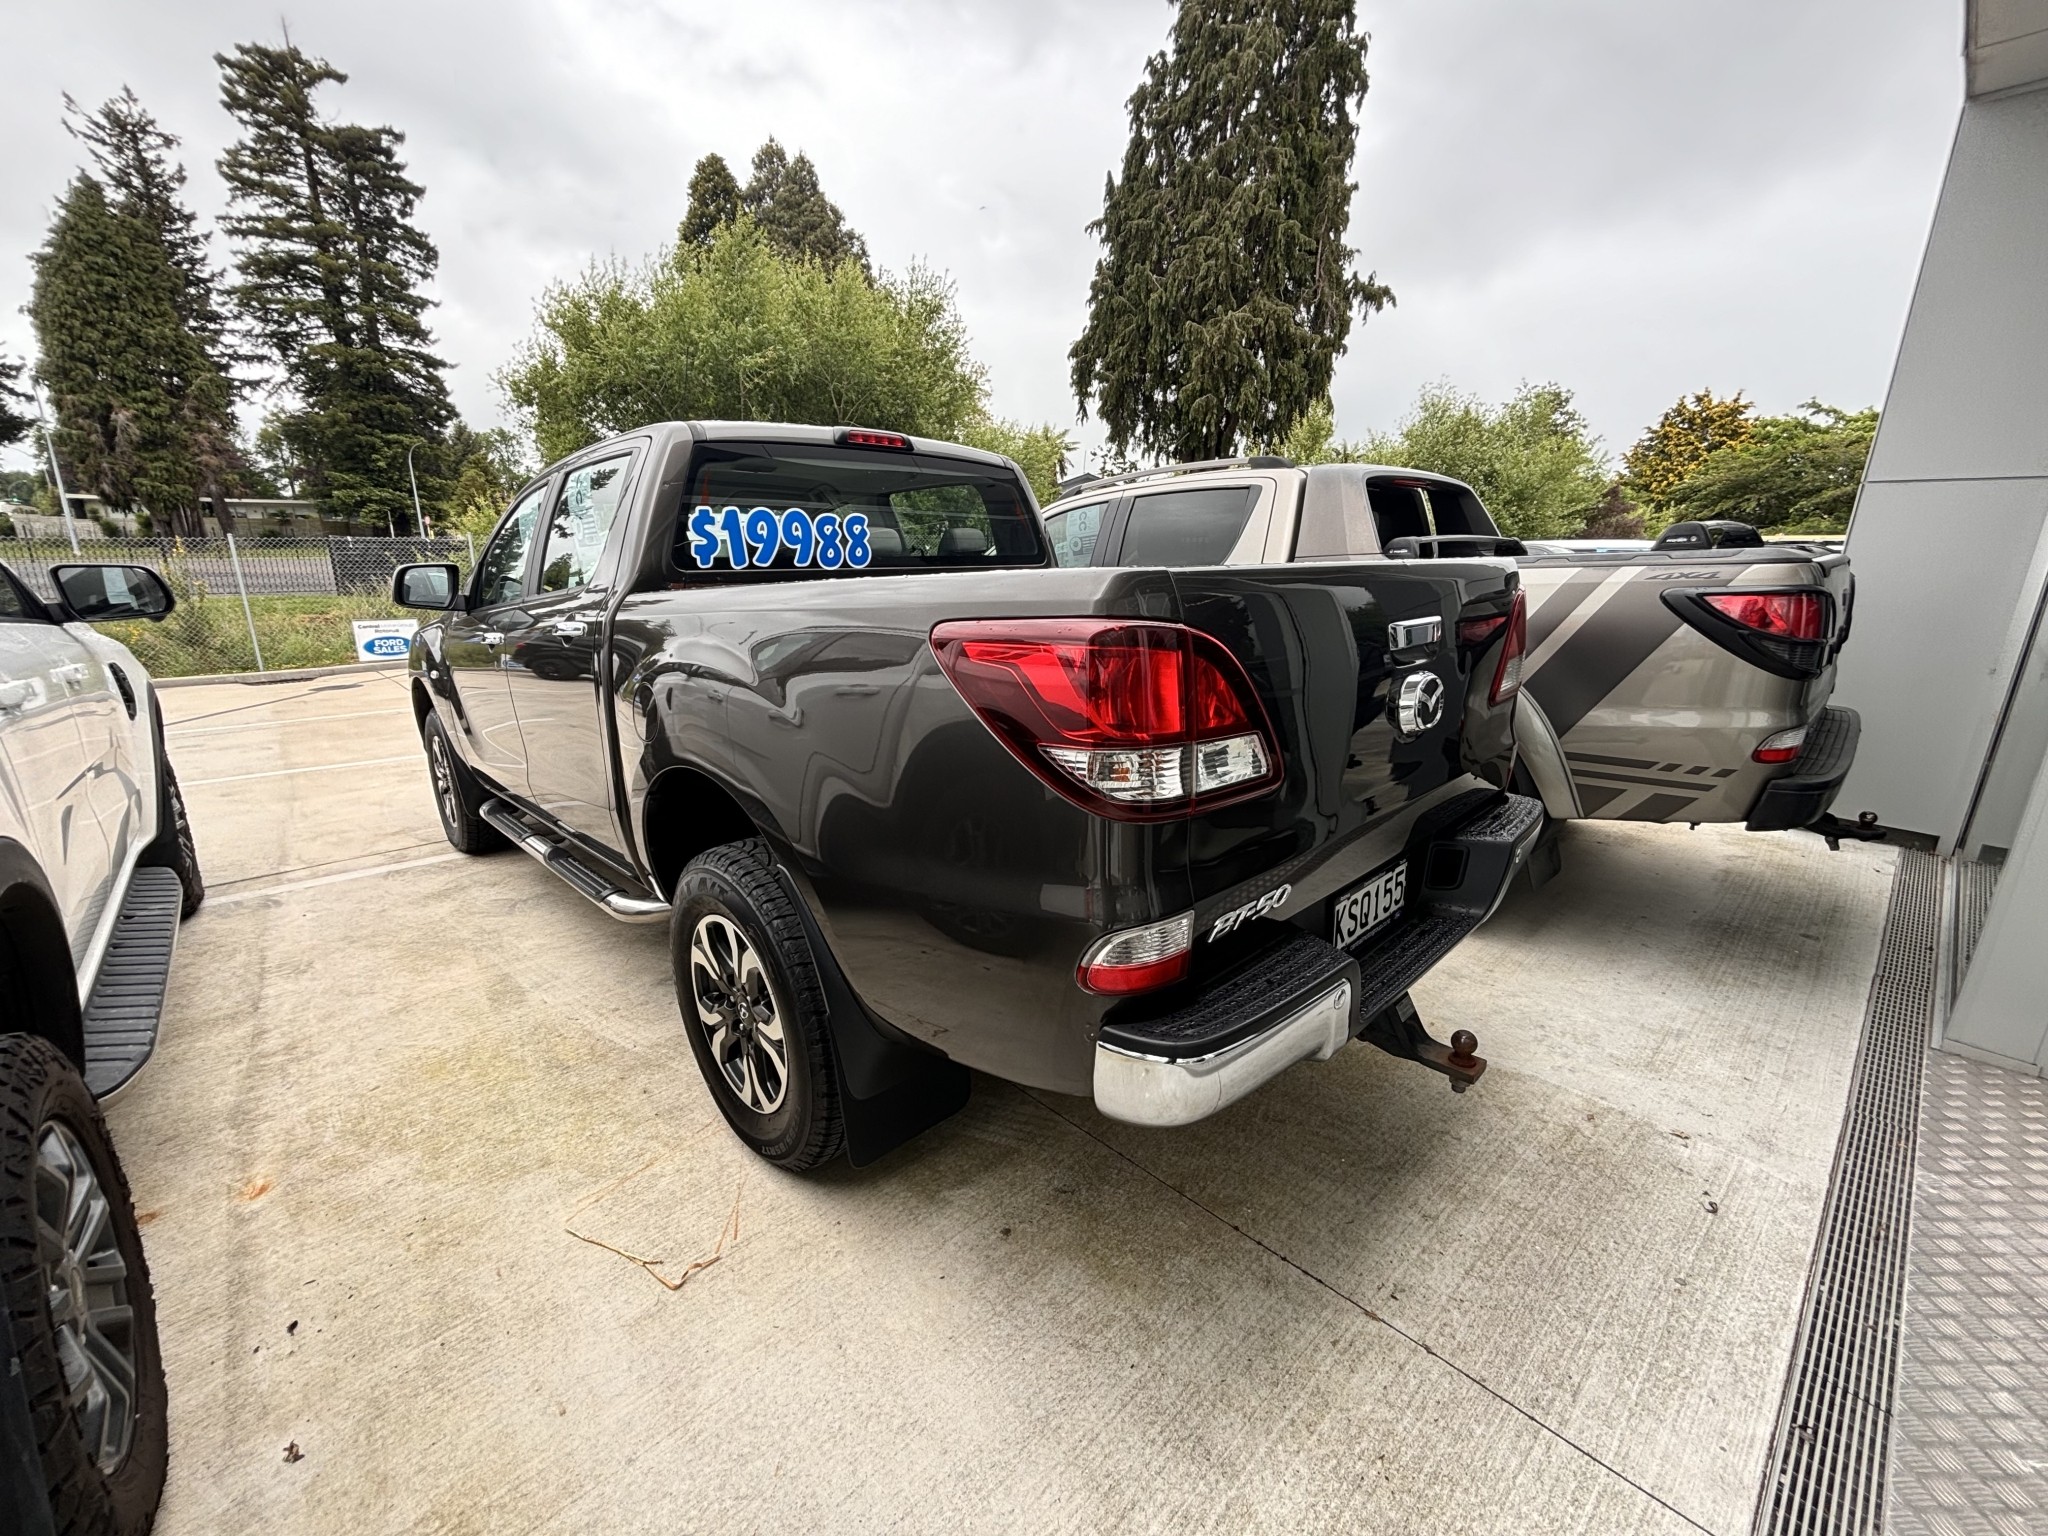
pixel 570 626
pixel 490 637
pixel 71 674
pixel 15 696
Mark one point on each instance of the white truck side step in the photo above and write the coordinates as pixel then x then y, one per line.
pixel 127 1001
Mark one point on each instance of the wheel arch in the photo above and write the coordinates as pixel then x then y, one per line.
pixel 41 994
pixel 686 812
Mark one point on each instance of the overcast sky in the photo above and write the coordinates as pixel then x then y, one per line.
pixel 1636 198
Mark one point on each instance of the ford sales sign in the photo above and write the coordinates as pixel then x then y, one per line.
pixel 384 639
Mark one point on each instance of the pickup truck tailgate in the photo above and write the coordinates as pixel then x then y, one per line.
pixel 1323 647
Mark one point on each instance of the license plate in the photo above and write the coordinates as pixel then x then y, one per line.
pixel 1370 905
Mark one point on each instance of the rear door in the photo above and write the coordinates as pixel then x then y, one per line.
pixel 551 657
pixel 476 639
pixel 45 683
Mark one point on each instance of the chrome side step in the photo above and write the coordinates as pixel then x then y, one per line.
pixel 557 860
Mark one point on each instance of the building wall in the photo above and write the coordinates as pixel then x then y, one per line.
pixel 1950 536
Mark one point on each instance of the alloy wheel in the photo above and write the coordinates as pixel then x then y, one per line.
pixel 86 1280
pixel 741 1020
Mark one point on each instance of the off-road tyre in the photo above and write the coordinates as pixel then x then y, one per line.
pixel 457 795
pixel 737 882
pixel 38 1087
pixel 173 848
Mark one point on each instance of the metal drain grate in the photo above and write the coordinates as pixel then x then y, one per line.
pixel 1827 1465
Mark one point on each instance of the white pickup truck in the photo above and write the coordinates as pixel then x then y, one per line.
pixel 97 868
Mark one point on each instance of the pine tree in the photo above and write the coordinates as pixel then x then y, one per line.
pixel 131 153
pixel 137 399
pixel 331 271
pixel 714 200
pixel 787 202
pixel 1225 291
pixel 15 421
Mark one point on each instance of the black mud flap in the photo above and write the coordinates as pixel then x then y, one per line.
pixel 890 1087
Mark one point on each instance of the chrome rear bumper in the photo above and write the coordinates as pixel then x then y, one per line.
pixel 1157 1090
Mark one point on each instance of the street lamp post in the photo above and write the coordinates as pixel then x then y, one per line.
pixel 419 517
pixel 57 475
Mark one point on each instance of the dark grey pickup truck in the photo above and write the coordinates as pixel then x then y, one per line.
pixel 913 800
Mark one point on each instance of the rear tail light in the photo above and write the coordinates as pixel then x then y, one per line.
pixel 1788 615
pixel 1781 748
pixel 1507 672
pixel 1139 721
pixel 1783 630
pixel 1139 959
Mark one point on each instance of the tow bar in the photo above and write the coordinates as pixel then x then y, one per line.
pixel 1397 1029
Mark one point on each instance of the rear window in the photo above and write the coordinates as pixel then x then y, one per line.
pixel 1346 513
pixel 783 508
pixel 1182 528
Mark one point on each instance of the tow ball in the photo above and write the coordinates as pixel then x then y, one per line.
pixel 1397 1029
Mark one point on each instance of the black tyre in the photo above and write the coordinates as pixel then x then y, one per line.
pixel 173 848
pixel 457 794
pixel 76 1288
pixel 753 1006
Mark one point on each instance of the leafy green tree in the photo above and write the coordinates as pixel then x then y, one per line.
pixel 1532 459
pixel 792 210
pixel 738 330
pixel 140 407
pixel 1041 452
pixel 1792 474
pixel 490 466
pixel 15 421
pixel 1616 517
pixel 714 201
pixel 1680 441
pixel 1225 291
pixel 332 271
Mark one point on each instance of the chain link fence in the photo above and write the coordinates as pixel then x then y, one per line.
pixel 246 605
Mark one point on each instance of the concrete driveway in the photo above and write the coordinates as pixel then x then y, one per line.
pixel 392 1080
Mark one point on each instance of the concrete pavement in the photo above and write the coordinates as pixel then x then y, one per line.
pixel 391 1078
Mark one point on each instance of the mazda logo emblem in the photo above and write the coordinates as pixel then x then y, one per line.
pixel 1419 703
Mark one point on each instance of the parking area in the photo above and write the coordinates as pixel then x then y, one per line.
pixel 422 1139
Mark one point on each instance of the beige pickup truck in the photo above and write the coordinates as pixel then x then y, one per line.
pixel 1683 682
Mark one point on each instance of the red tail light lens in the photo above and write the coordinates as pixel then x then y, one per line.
pixel 1789 615
pixel 1135 720
pixel 1507 672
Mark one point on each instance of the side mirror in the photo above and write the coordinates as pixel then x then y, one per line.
pixel 426 586
pixel 97 593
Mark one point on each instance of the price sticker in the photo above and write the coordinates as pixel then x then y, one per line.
pixel 827 542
